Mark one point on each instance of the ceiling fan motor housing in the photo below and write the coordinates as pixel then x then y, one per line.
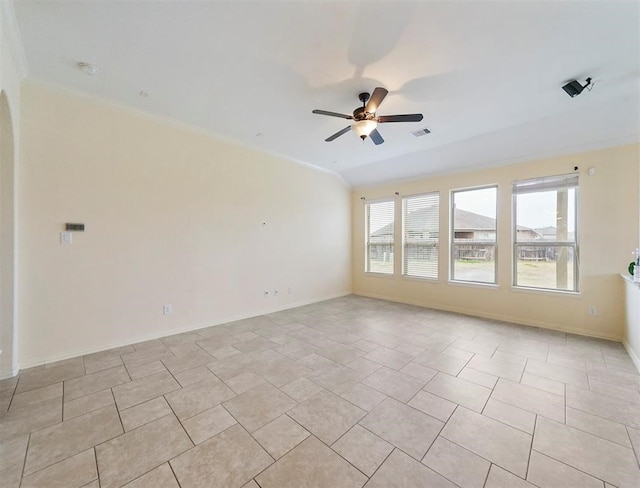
pixel 360 114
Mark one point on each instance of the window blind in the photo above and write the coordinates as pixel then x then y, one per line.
pixel 546 183
pixel 380 236
pixel 421 235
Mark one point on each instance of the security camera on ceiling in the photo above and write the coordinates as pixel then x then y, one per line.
pixel 574 88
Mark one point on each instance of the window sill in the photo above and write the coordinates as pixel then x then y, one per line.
pixel 421 279
pixel 474 284
pixel 545 291
pixel 379 275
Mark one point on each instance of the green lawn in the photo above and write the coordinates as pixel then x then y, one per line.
pixel 541 274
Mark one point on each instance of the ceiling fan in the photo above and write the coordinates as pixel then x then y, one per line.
pixel 366 119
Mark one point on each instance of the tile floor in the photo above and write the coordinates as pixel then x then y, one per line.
pixel 347 393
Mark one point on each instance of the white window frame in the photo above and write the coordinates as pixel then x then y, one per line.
pixel 367 260
pixel 405 245
pixel 538 185
pixel 452 248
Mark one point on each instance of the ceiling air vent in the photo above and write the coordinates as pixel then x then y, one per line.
pixel 421 132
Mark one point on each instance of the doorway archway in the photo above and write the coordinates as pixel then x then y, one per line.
pixel 7 241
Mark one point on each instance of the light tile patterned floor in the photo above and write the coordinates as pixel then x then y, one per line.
pixel 346 393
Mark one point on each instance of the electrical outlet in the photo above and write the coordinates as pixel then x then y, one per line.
pixel 593 310
pixel 275 292
pixel 167 309
pixel 266 294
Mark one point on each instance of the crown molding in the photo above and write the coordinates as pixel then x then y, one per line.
pixel 11 33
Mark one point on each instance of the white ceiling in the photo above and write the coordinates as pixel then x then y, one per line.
pixel 486 75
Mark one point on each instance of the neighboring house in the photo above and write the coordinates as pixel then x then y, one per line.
pixel 527 234
pixel 473 227
pixel 468 225
pixel 421 239
pixel 549 233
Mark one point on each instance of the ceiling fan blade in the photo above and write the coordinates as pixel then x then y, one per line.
pixel 332 114
pixel 338 134
pixel 376 99
pixel 376 137
pixel 400 118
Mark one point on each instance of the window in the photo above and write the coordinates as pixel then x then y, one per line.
pixel 545 245
pixel 473 235
pixel 420 220
pixel 380 229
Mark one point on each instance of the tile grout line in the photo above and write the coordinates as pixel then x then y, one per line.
pixel 524 369
pixel 340 455
pixel 636 450
pixel 147 423
pixel 175 476
pixel 13 393
pixel 95 457
pixel 480 456
pixel 24 462
pixel 257 441
pixel 570 466
pixel 63 389
pixel 345 459
pixel 132 430
pixel 526 474
pixel 173 411
pixel 117 410
pixel 565 404
pixel 486 477
pixel 267 452
pixel 384 461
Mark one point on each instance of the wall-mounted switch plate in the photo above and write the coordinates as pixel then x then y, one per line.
pixel 167 309
pixel 66 238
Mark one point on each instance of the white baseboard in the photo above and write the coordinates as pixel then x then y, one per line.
pixel 632 354
pixel 500 317
pixel 167 333
pixel 158 335
pixel 6 374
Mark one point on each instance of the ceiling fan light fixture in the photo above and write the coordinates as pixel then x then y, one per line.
pixel 364 128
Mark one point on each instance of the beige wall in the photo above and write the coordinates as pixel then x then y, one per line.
pixel 172 216
pixel 608 233
pixel 11 72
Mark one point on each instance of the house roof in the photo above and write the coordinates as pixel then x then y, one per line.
pixel 464 221
pixel 549 230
